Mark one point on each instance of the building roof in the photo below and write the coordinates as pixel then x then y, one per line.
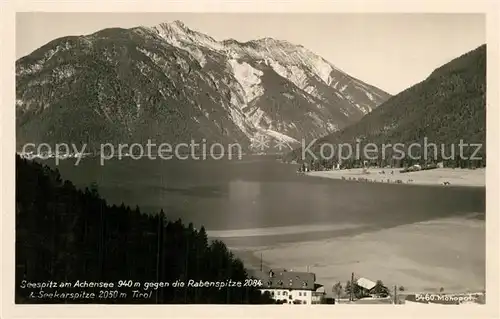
pixel 282 279
pixel 366 283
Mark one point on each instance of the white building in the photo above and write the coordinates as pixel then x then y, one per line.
pixel 291 287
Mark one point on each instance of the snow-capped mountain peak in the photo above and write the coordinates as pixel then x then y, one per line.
pixel 178 34
pixel 316 77
pixel 281 51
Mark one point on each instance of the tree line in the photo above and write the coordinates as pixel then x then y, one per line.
pixel 67 234
pixel 469 160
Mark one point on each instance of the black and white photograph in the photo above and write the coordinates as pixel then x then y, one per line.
pixel 292 159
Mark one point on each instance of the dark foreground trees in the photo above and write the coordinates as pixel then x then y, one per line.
pixel 64 234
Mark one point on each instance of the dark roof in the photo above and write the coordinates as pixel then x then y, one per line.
pixel 282 279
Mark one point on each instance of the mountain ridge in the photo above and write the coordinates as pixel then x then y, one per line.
pixel 168 73
pixel 445 107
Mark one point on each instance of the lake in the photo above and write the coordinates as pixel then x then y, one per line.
pixel 420 237
pixel 258 200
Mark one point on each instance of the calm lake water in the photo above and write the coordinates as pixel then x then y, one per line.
pixel 258 199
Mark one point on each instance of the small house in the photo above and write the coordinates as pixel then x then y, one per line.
pixel 369 288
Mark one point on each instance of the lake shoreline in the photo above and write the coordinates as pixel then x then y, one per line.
pixel 263 203
pixel 447 177
pixel 421 257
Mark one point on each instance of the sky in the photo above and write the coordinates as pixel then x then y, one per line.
pixel 391 51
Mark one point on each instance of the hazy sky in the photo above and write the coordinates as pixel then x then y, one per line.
pixel 390 51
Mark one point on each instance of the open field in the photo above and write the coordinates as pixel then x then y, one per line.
pixel 456 177
pixel 421 257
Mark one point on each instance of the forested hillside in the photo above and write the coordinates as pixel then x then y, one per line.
pixel 448 106
pixel 64 234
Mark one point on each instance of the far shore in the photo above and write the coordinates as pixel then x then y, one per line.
pixel 438 176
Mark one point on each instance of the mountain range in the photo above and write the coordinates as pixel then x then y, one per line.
pixel 169 83
pixel 446 107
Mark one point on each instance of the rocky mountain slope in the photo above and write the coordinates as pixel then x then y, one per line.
pixel 169 83
pixel 448 106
